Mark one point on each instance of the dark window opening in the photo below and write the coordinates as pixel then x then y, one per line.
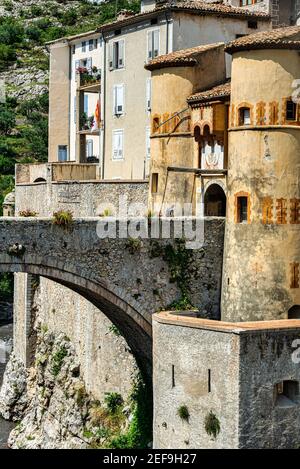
pixel 294 312
pixel 291 109
pixel 154 183
pixel 286 393
pixel 244 116
pixel 40 180
pixel 242 210
pixel 215 201
pixel 252 24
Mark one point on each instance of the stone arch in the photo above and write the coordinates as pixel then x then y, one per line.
pixel 131 322
pixel 294 312
pixel 215 200
pixel 40 180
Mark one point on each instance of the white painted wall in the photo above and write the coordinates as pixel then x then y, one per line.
pixel 92 97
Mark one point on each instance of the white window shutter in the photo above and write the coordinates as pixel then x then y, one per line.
pixel 115 145
pixel 89 63
pixel 155 43
pixel 149 55
pixel 120 145
pixel 77 65
pixel 121 57
pixel 111 56
pixel 120 99
pixel 148 143
pixel 148 94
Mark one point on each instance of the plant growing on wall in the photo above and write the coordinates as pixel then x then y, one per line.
pixel 133 245
pixel 113 401
pixel 63 218
pixel 28 213
pixel 178 258
pixel 212 425
pixel 183 413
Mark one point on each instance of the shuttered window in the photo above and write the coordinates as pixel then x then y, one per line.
pixel 89 148
pixel 117 55
pixel 153 44
pixel 118 143
pixel 118 106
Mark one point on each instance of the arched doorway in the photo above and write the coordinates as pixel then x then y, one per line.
pixel 215 201
pixel 294 312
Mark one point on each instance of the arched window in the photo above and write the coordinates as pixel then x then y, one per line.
pixel 40 180
pixel 155 124
pixel 215 201
pixel 294 312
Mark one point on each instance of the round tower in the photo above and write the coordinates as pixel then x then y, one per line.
pixel 261 275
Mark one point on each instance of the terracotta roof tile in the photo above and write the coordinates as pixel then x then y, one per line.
pixel 182 58
pixel 217 92
pixel 281 38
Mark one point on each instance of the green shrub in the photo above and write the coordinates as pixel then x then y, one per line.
pixel 36 10
pixel 113 401
pixel 183 413
pixel 33 33
pixel 6 286
pixel 58 359
pixel 7 56
pixel 7 165
pixel 7 120
pixel 212 425
pixel 70 17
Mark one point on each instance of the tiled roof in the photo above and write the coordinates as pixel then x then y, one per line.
pixel 281 38
pixel 217 92
pixel 193 7
pixel 181 58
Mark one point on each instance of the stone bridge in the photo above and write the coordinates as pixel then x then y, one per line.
pixel 128 280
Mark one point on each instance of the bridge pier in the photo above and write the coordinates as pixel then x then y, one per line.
pixel 23 317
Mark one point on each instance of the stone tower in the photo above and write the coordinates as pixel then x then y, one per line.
pixel 261 276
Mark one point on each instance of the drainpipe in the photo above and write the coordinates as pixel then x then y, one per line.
pixel 168 21
pixel 69 113
pixel 103 105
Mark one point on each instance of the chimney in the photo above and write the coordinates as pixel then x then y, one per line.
pixel 123 14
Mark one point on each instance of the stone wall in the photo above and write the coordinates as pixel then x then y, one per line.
pixel 84 199
pixel 222 385
pixel 102 352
